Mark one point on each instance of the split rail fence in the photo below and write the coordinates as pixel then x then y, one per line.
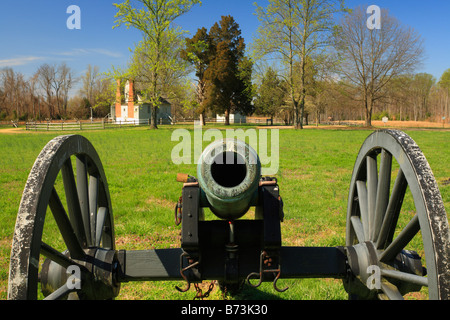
pixel 94 125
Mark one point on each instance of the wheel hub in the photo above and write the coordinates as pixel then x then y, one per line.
pixel 96 276
pixel 367 272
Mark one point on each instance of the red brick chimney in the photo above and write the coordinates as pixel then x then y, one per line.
pixel 131 99
pixel 118 100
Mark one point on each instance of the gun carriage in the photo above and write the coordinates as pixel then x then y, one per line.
pixel 232 250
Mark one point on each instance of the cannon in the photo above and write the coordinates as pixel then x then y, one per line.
pixel 373 263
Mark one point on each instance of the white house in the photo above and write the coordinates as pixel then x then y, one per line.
pixel 234 118
pixel 137 112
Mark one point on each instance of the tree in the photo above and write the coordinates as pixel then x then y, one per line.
pixel 294 31
pixel 104 96
pixel 420 88
pixel 98 89
pixel 229 72
pixel 198 53
pixel 154 18
pixel 271 94
pixel 46 73
pixel 172 80
pixel 56 81
pixel 90 82
pixel 444 85
pixel 245 90
pixel 63 82
pixel 34 99
pixel 370 59
pixel 444 82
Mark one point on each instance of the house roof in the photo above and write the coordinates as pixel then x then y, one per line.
pixel 161 99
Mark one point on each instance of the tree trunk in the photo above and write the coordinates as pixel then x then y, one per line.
pixel 303 95
pixel 154 119
pixel 299 124
pixel 227 117
pixel 368 107
pixel 202 118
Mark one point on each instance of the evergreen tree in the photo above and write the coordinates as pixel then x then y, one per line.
pixel 271 94
pixel 198 54
pixel 228 75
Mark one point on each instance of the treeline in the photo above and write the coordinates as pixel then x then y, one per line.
pixel 314 68
pixel 411 97
pixel 309 61
pixel 49 94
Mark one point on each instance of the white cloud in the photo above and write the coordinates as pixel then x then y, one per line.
pixel 107 53
pixel 72 53
pixel 23 60
pixel 83 52
pixel 20 61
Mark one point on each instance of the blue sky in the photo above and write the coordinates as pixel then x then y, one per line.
pixel 33 32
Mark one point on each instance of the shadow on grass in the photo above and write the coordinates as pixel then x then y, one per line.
pixel 248 292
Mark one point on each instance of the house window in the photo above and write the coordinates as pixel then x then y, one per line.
pixel 148 109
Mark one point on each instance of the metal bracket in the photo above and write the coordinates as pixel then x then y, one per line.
pixel 192 264
pixel 265 266
pixel 271 211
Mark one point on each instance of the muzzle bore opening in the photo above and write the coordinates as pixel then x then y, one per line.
pixel 228 169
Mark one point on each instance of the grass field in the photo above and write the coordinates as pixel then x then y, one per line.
pixel 315 170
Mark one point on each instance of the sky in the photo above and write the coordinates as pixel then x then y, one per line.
pixel 34 32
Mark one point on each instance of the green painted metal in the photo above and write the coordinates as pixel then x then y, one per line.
pixel 228 172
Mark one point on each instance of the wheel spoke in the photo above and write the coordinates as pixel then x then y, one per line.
pixel 362 198
pixel 56 256
pixel 101 217
pixel 93 200
pixel 63 222
pixel 358 228
pixel 82 188
pixel 384 181
pixel 73 203
pixel 372 183
pixel 391 291
pixel 393 210
pixel 62 292
pixel 406 277
pixel 401 241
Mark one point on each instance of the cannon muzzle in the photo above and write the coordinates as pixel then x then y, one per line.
pixel 229 172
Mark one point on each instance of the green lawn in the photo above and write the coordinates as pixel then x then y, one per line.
pixel 314 176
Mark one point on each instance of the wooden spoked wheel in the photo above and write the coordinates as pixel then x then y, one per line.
pixel 397 233
pixel 77 235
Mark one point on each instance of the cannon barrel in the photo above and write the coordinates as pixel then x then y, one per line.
pixel 228 173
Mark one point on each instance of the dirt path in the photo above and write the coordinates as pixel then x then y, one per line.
pixel 355 125
pixel 12 130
